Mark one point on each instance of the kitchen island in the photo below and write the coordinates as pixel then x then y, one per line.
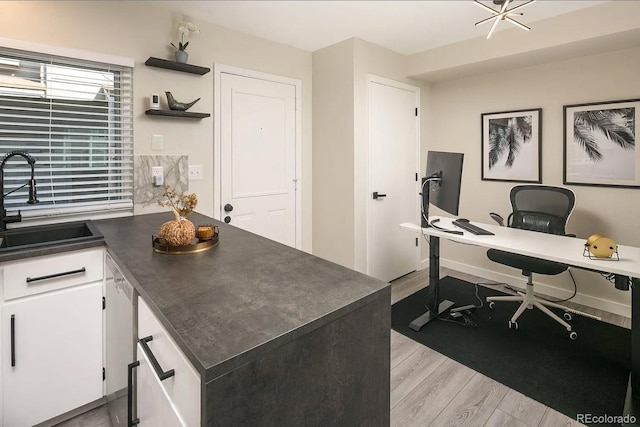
pixel 278 336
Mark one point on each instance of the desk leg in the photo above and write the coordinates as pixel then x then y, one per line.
pixel 632 401
pixel 434 283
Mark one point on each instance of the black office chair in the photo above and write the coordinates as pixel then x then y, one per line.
pixel 538 208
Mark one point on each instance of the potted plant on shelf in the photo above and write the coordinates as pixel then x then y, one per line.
pixel 185 29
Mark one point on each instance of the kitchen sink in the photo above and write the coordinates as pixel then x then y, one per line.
pixel 48 235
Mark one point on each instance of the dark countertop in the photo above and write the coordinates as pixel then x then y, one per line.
pixel 233 303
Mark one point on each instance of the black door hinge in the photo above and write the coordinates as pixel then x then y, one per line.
pixel 416 241
pixel 416 111
pixel 104 374
pixel 104 303
pixel 416 176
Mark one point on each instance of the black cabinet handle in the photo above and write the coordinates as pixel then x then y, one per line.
pixel 163 375
pixel 377 195
pixel 130 420
pixel 52 276
pixel 13 340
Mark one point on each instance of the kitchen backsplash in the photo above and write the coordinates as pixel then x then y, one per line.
pixel 145 194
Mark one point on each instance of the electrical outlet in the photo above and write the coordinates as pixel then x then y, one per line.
pixel 157 175
pixel 195 172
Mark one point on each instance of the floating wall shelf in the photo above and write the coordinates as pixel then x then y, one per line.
pixel 172 113
pixel 176 66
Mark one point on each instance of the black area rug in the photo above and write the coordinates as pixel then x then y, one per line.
pixel 586 376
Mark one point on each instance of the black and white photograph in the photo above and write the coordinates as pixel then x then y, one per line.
pixel 600 144
pixel 511 149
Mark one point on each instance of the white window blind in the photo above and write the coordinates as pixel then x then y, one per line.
pixel 74 117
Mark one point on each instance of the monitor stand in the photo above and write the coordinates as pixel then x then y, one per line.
pixel 424 209
pixel 434 281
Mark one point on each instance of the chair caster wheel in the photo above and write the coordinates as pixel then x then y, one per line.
pixel 513 325
pixel 492 305
pixel 573 335
pixel 567 316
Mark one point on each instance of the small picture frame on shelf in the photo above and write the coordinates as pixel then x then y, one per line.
pixel 511 147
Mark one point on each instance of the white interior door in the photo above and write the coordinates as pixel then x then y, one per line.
pixel 393 163
pixel 258 156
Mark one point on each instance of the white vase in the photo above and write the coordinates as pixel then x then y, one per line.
pixel 182 56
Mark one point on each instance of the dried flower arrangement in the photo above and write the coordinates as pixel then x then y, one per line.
pixel 183 204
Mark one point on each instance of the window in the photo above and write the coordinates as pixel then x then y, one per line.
pixel 74 117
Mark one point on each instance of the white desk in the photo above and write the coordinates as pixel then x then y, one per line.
pixel 566 250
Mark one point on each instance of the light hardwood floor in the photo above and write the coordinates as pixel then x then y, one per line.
pixel 98 417
pixel 429 389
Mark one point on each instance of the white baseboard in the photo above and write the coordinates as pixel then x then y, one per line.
pixel 519 282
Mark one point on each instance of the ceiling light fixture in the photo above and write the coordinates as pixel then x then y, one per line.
pixel 503 14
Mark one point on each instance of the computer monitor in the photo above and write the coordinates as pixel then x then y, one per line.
pixel 441 185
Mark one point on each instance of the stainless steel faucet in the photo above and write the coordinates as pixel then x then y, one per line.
pixel 4 218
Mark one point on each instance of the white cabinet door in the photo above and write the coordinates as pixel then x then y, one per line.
pixel 55 344
pixel 155 408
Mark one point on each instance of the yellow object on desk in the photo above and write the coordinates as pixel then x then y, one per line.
pixel 601 246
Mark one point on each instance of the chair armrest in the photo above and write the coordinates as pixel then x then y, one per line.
pixel 497 218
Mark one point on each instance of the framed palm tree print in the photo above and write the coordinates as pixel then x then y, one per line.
pixel 600 144
pixel 511 149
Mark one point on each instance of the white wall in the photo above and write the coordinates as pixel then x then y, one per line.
pixel 340 145
pixel 333 227
pixel 454 125
pixel 138 29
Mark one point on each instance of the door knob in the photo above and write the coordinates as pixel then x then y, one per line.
pixel 377 195
pixel 227 219
pixel 228 208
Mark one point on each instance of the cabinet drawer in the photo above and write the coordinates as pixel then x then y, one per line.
pixel 183 388
pixel 48 273
pixel 154 405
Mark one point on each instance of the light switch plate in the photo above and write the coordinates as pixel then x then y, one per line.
pixel 157 143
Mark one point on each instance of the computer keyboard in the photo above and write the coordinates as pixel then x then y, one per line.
pixel 473 229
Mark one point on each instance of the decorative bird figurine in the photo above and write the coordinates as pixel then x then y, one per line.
pixel 179 106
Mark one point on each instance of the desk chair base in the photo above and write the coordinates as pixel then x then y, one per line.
pixel 529 300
